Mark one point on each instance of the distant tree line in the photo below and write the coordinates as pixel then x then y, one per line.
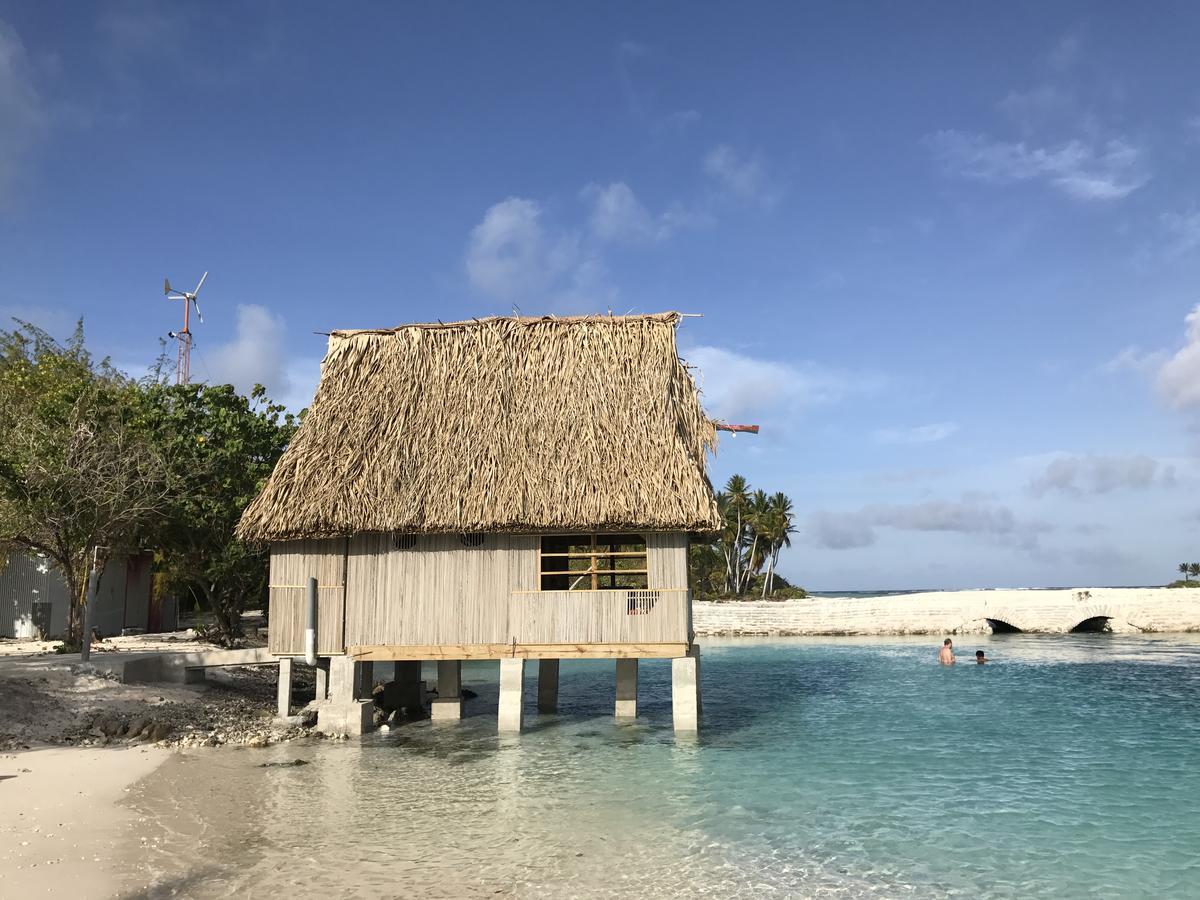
pixel 95 465
pixel 1189 571
pixel 741 559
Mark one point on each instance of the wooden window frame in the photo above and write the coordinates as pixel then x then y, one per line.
pixel 595 555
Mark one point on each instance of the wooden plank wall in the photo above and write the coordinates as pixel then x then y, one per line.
pixel 438 591
pixel 441 592
pixel 596 617
pixel 292 563
pixel 667 560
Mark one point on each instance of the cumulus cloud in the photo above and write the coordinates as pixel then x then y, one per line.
pixel 919 434
pixel 25 120
pixel 1107 170
pixel 1179 377
pixel 1134 359
pixel 618 215
pixel 736 386
pixel 512 256
pixel 1080 476
pixel 972 515
pixel 256 355
pixel 742 176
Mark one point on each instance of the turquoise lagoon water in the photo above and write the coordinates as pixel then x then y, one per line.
pixel 1068 767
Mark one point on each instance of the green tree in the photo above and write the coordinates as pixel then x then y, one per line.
pixel 779 531
pixel 220 447
pixel 78 481
pixel 737 492
pixel 1194 569
pixel 1185 570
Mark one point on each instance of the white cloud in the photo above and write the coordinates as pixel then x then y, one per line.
pixel 1106 170
pixel 1179 377
pixel 1134 359
pixel 919 434
pixel 23 119
pixel 256 355
pixel 736 386
pixel 972 515
pixel 1080 476
pixel 744 177
pixel 618 216
pixel 511 256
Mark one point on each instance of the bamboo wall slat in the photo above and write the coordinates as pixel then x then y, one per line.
pixel 292 564
pixel 440 592
pixel 596 617
pixel 667 559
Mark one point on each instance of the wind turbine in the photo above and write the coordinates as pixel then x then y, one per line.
pixel 184 337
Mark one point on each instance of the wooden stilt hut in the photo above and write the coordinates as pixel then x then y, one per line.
pixel 505 489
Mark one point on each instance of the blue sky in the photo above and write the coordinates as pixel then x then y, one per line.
pixel 944 253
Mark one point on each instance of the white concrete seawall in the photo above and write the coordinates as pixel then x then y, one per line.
pixel 957 612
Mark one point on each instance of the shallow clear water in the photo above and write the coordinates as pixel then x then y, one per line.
pixel 1070 766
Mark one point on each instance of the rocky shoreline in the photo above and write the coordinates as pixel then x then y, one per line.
pixel 72 705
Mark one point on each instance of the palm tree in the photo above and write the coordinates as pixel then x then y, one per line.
pixel 757 524
pixel 780 531
pixel 728 537
pixel 1194 570
pixel 1185 570
pixel 739 500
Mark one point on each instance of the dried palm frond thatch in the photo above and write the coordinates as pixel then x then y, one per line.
pixel 500 424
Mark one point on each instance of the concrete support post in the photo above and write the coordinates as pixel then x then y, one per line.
pixel 321 674
pixel 547 685
pixel 410 692
pixel 345 713
pixel 511 715
pixel 448 704
pixel 364 680
pixel 627 684
pixel 342 672
pixel 283 702
pixel 685 691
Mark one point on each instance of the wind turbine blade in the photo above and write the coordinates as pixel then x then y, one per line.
pixel 166 285
pixel 197 302
pixel 197 290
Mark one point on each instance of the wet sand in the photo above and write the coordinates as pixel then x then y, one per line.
pixel 65 828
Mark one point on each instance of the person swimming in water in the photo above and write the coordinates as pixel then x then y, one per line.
pixel 946 655
pixel 980 658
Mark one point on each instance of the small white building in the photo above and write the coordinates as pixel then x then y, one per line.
pixel 34 600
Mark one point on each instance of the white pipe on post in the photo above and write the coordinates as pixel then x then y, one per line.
pixel 310 625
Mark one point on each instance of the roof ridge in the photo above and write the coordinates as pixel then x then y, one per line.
pixel 671 316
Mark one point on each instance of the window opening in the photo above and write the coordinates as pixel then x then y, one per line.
pixel 593 562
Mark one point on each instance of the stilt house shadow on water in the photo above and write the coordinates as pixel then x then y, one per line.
pixel 507 489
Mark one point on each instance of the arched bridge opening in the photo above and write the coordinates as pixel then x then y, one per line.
pixel 999 626
pixel 1093 625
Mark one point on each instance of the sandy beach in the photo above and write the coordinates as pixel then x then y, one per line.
pixel 62 818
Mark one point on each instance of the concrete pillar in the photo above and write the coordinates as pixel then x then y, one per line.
pixel 547 685
pixel 342 673
pixel 627 683
pixel 448 704
pixel 685 691
pixel 321 674
pixel 345 713
pixel 364 680
pixel 511 715
pixel 410 691
pixel 283 702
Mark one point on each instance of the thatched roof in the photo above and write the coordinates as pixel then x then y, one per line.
pixel 501 424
